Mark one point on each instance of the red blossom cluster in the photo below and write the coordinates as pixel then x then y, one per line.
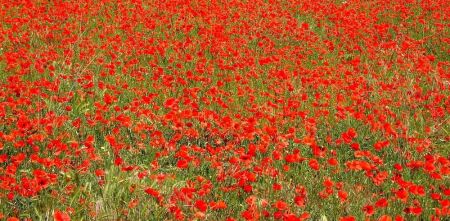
pixel 225 110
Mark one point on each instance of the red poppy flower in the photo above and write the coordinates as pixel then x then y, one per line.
pixel 201 205
pixel 60 216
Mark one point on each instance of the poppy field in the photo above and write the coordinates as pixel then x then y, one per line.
pixel 225 110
